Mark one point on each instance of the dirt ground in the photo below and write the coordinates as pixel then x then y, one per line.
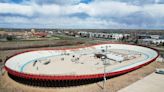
pixel 112 85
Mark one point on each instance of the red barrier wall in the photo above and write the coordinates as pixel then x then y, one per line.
pixel 74 77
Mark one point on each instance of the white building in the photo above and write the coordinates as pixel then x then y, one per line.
pixel 158 41
pixel 154 41
pixel 155 36
pixel 117 36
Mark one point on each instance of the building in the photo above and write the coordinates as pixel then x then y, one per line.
pixel 115 36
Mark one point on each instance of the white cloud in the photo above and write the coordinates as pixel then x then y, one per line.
pixel 111 8
pixel 16 9
pixel 57 15
pixel 95 9
pixel 156 10
pixel 49 10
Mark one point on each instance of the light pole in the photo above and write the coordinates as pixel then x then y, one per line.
pixel 105 68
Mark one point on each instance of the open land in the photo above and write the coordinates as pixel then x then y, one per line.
pixel 112 84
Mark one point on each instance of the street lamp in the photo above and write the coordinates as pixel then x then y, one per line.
pixel 106 47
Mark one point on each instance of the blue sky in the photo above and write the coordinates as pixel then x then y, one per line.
pixel 83 14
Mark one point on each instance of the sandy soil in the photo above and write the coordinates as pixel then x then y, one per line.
pixel 112 85
pixel 66 67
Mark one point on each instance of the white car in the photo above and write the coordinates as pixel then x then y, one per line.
pixel 159 71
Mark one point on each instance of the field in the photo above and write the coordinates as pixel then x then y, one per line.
pixel 9 47
pixel 112 85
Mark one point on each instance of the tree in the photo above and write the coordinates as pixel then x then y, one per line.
pixel 123 38
pixel 0 60
pixel 9 38
pixel 136 41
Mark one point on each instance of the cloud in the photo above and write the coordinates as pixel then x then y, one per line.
pixel 58 22
pixel 60 2
pixel 110 8
pixel 83 14
pixel 16 9
pixel 141 2
pixel 155 10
